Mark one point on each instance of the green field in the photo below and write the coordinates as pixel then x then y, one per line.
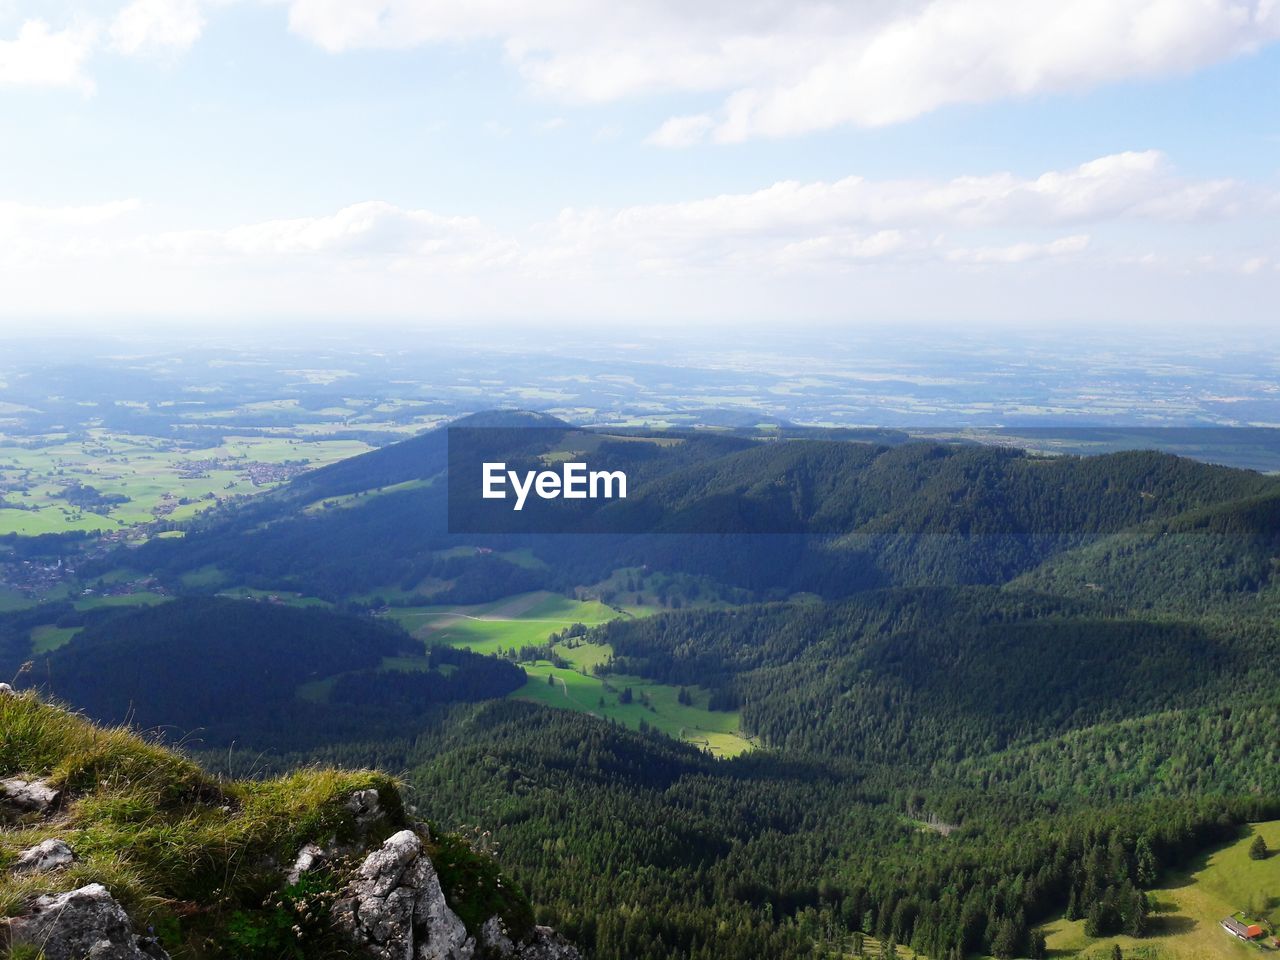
pixel 48 637
pixel 162 479
pixel 1188 907
pixel 277 596
pixel 140 598
pixel 529 620
pixel 203 578
pixel 653 704
pixel 13 600
pixel 526 619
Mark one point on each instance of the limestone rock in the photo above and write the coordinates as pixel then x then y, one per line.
pixel 5 690
pixel 30 795
pixel 365 805
pixel 85 923
pixel 546 944
pixel 493 938
pixel 445 934
pixel 309 857
pixel 49 855
pixel 395 907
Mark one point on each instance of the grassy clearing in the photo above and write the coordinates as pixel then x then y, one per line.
pixel 276 596
pixel 528 620
pixel 203 578
pixel 47 637
pixel 13 600
pixel 652 704
pixel 140 598
pixel 1191 904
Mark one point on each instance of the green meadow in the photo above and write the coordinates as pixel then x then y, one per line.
pixel 140 598
pixel 47 637
pixel 530 619
pixel 11 599
pixel 652 704
pixel 289 597
pixel 526 619
pixel 1188 907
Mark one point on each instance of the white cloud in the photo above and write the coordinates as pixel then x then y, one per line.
pixel 1020 252
pixel 821 242
pixel 17 219
pixel 1127 186
pixel 819 225
pixel 42 57
pixel 681 131
pixel 969 51
pixel 369 232
pixel 787 67
pixel 157 27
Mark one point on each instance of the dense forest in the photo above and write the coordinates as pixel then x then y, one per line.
pixel 237 671
pixel 941 673
pixel 766 854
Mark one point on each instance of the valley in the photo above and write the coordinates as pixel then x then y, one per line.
pixel 535 623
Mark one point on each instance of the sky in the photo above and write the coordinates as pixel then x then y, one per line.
pixel 1002 164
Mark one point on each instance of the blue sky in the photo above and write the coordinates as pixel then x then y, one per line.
pixel 967 162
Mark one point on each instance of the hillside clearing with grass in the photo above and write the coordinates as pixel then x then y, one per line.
pixel 506 626
pixel 1187 909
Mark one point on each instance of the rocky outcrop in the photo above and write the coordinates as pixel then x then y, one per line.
pixel 395 907
pixel 493 938
pixel 49 855
pixel 543 944
pixel 309 857
pixel 366 807
pixel 396 910
pixel 34 796
pixel 85 924
pixel 546 944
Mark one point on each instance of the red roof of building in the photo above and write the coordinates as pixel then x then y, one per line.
pixel 1254 930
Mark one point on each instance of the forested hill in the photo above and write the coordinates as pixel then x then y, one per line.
pixel 934 675
pixel 1224 555
pixel 833 517
pixel 237 671
pixel 419 458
